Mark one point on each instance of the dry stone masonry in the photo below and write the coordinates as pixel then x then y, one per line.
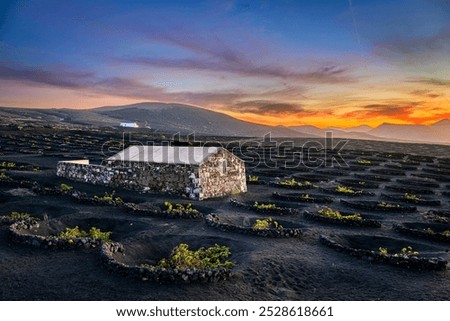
pixel 196 172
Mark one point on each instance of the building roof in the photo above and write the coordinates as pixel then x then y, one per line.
pixel 165 154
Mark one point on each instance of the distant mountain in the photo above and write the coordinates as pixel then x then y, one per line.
pixel 167 118
pixel 442 123
pixel 436 133
pixel 308 129
pixel 358 129
pixel 359 133
pixel 172 118
pixel 188 119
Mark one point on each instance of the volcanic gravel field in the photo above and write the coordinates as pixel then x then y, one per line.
pixel 402 188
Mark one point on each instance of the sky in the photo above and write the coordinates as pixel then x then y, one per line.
pixel 338 63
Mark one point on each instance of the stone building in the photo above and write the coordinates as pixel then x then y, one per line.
pixel 196 172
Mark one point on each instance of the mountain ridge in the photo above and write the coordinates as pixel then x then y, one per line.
pixel 172 117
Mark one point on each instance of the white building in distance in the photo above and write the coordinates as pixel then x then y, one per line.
pixel 129 125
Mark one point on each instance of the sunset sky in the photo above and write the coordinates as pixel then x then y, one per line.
pixel 324 63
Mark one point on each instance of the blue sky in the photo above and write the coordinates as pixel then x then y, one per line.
pixel 276 62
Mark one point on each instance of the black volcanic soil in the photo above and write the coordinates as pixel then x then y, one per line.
pixel 267 269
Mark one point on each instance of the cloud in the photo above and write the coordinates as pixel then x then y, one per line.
pixel 218 51
pixel 432 81
pixel 414 34
pixel 418 45
pixel 207 98
pixel 425 93
pixel 88 82
pixel 403 111
pixel 390 110
pixel 58 77
pixel 266 107
pixel 91 84
pixel 231 63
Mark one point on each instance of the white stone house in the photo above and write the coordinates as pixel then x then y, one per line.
pixel 129 125
pixel 196 172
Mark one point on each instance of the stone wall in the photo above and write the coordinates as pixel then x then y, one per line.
pixel 410 262
pixel 174 179
pixel 216 180
pixel 19 233
pixel 160 275
pixel 214 221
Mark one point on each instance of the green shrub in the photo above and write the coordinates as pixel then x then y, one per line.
pixel 445 233
pixel 412 197
pixel 179 208
pixel 8 164
pixel 404 252
pixel 347 190
pixel 364 162
pixel 65 187
pixel 262 206
pixel 3 175
pixel 383 250
pixel 21 216
pixel 110 198
pixel 387 205
pixel 407 251
pixel 267 223
pixel 337 215
pixel 72 233
pixel 182 257
pixel 97 234
pixel 293 182
pixel 253 178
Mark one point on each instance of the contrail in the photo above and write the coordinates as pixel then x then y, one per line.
pixel 350 4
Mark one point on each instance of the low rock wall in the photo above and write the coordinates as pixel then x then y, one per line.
pixel 411 262
pixel 214 221
pixel 16 234
pixel 159 275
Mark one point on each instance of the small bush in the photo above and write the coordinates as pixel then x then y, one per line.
pixel 364 162
pixel 293 182
pixel 337 215
pixel 253 178
pixel 9 165
pixel 404 252
pixel 20 216
pixel 383 250
pixel 262 206
pixel 65 187
pixel 109 198
pixel 445 233
pixel 412 197
pixel 347 190
pixel 387 205
pixel 182 257
pixel 267 223
pixel 72 233
pixel 180 209
pixel 97 234
pixel 3 175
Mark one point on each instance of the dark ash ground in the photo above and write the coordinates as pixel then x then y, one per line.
pixel 267 269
